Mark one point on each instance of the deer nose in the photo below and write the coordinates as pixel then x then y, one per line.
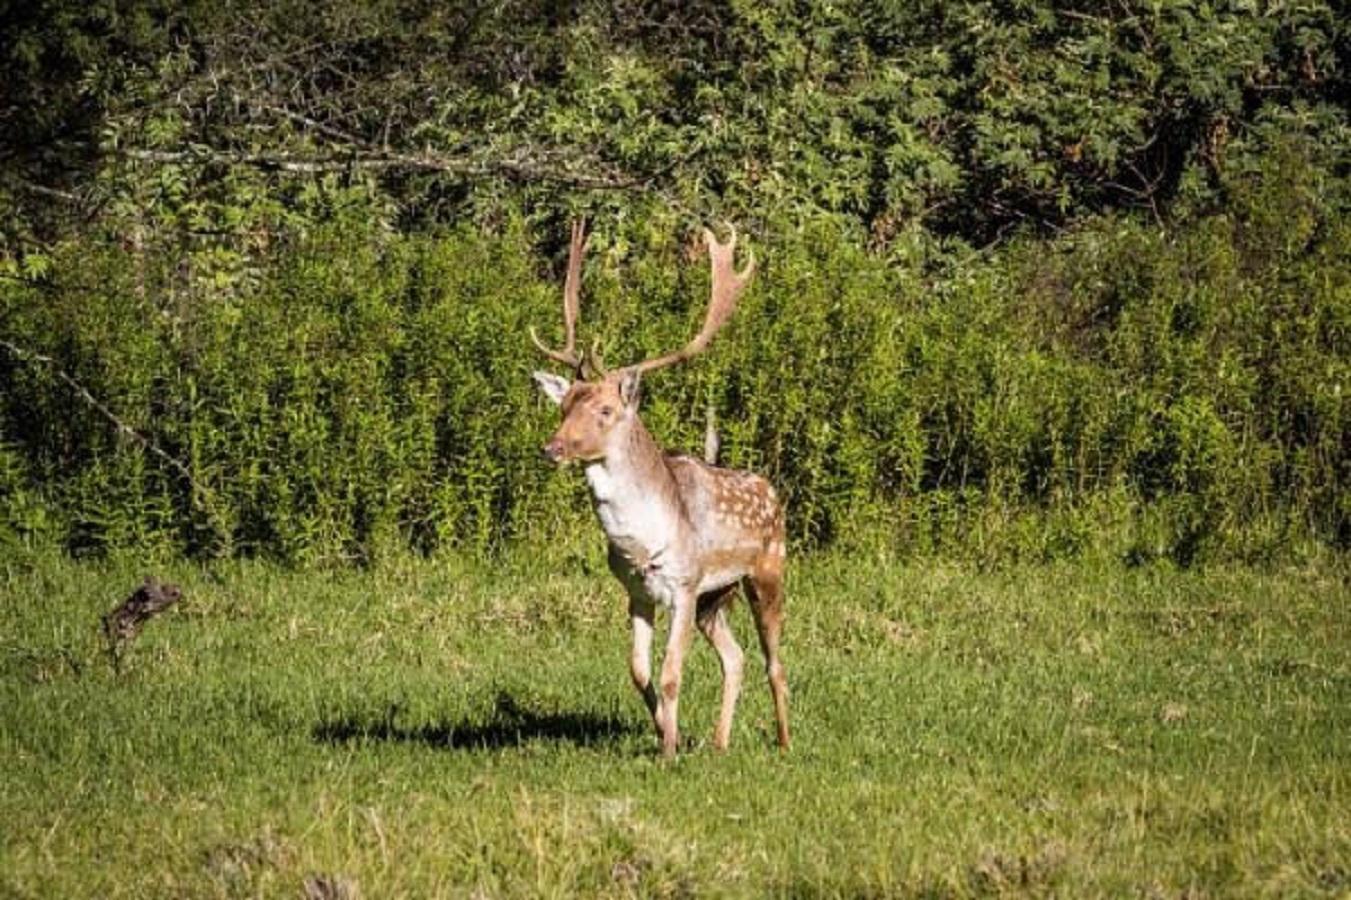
pixel 553 451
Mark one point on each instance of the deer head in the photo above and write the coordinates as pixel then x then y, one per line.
pixel 599 407
pixel 597 415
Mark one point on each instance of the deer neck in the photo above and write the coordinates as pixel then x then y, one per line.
pixel 637 499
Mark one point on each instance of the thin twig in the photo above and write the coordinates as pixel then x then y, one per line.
pixel 41 189
pixel 84 394
pixel 519 170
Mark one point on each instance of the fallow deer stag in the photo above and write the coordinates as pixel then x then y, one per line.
pixel 682 533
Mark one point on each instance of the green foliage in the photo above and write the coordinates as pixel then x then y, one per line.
pixel 297 247
pixel 966 116
pixel 1121 390
pixel 25 520
pixel 354 402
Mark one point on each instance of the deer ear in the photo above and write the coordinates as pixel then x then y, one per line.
pixel 628 386
pixel 555 387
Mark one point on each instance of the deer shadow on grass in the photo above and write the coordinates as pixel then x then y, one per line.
pixel 509 725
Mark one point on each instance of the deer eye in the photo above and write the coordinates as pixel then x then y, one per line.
pixel 606 412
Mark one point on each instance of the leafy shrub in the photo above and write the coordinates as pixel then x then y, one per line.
pixel 1120 389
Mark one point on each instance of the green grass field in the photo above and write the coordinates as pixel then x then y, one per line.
pixel 456 729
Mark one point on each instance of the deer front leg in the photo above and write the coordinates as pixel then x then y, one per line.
pixel 672 668
pixel 640 661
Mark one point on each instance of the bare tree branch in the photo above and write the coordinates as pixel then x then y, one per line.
pixel 518 170
pixel 123 428
pixel 40 189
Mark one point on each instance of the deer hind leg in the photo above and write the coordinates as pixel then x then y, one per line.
pixel 765 590
pixel 713 623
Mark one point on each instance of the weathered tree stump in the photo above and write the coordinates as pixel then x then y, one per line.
pixel 123 624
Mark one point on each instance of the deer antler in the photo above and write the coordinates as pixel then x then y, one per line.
pixel 727 286
pixel 571 289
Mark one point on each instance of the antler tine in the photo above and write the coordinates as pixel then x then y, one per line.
pixel 571 301
pixel 727 287
pixel 591 367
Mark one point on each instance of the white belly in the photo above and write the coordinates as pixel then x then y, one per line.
pixel 711 581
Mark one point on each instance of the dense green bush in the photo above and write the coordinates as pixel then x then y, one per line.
pixel 1039 279
pixel 967 116
pixel 1121 389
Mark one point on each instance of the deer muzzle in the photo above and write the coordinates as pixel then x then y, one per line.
pixel 554 451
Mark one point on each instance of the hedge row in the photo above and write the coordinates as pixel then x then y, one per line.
pixel 357 393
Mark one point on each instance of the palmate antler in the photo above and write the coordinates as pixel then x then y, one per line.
pixel 727 286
